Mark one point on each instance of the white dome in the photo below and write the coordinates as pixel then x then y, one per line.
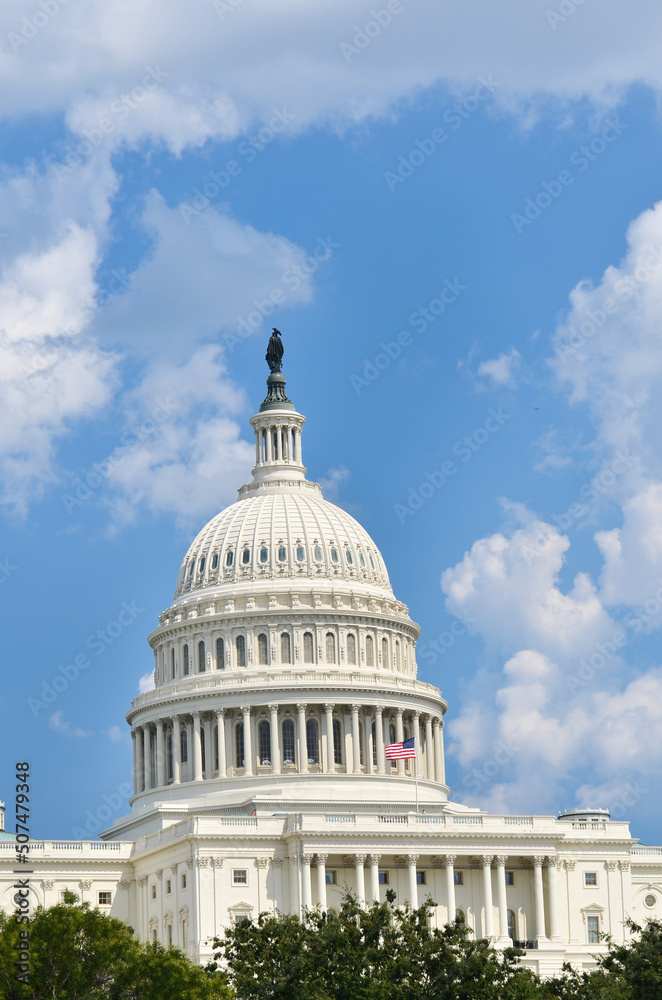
pixel 288 533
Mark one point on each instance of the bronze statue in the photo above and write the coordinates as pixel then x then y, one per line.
pixel 274 355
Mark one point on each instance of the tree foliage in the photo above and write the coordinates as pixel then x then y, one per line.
pixel 78 953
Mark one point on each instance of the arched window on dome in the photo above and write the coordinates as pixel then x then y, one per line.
pixel 262 650
pixel 187 666
pixel 183 745
pixel 317 554
pixel 369 651
pixel 172 664
pixel 300 553
pixel 373 736
pixel 349 557
pixel 239 745
pixel 351 649
pixel 361 559
pixel 201 565
pixel 288 741
pixel 214 561
pixel 229 558
pixel 282 553
pixel 264 555
pixel 330 647
pixel 337 742
pixel 312 741
pixel 246 556
pixel 220 654
pixel 240 646
pixel 385 662
pixel 308 648
pixel 202 658
pixel 335 558
pixel 264 741
pixel 398 655
pixel 285 648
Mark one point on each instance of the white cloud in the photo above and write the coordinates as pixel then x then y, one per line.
pixel 146 683
pixel 332 482
pixel 632 554
pixel 58 723
pixel 115 734
pixel 502 370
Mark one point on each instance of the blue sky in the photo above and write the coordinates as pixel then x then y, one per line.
pixel 455 225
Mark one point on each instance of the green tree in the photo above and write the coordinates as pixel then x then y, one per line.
pixel 381 952
pixel 78 953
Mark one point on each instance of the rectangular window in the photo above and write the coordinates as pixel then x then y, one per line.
pixel 420 878
pixel 590 878
pixel 383 878
pixel 593 929
pixel 168 886
pixel 510 878
pixel 239 876
pixel 105 899
pixel 458 878
pixel 330 877
pixel 184 880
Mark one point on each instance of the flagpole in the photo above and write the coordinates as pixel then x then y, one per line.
pixel 416 774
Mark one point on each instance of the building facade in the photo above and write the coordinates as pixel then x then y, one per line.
pixel 283 668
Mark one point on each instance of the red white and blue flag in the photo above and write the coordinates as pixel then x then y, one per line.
pixel 399 751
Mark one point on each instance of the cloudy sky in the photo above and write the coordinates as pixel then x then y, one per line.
pixel 453 211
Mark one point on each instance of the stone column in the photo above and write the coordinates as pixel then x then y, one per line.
pixel 450 887
pixel 429 749
pixel 306 885
pixel 275 742
pixel 379 733
pixel 356 740
pixel 303 742
pixel 134 748
pixel 412 861
pixel 416 727
pixel 176 750
pixel 248 742
pixel 486 862
pixel 197 748
pixel 399 737
pixel 330 756
pixel 502 901
pixel 367 743
pixel 539 898
pixel 147 758
pixel 208 729
pixel 552 885
pixel 220 738
pixel 374 860
pixel 140 759
pixel 359 861
pixel 438 758
pixel 321 881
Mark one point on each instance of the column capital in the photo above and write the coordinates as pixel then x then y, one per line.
pixel 220 713
pixel 379 710
pixel 501 860
pixel 415 714
pixel 195 715
pixel 623 865
pixel 552 860
pixel 306 859
pixel 538 860
pixel 261 862
pixel 273 708
pixel 301 706
pixel 486 860
pixel 246 709
pixel 321 858
pixel 399 712
pixel 450 859
pixel 436 722
pixel 412 859
pixel 374 859
pixel 355 709
pixel 328 708
pixel 359 859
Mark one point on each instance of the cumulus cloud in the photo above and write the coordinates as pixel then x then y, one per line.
pixel 146 683
pixel 60 725
pixel 502 370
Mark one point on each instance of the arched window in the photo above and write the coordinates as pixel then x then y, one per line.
pixel 183 746
pixel 172 663
pixel 337 742
pixel 202 658
pixel 241 651
pixel 335 558
pixel 186 661
pixel 369 651
pixel 300 553
pixel 330 647
pixel 285 648
pixel 512 924
pixel 239 744
pixel 385 653
pixel 246 557
pixel 264 554
pixel 398 655
pixel 374 745
pixel 220 654
pixel 308 652
pixel 203 749
pixel 264 741
pixel 214 561
pixel 201 566
pixel 312 742
pixel 262 650
pixel 351 649
pixel 229 559
pixel 288 741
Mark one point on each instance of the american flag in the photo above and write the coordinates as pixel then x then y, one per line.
pixel 398 751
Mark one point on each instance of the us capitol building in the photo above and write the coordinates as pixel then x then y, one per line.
pixel 283 668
